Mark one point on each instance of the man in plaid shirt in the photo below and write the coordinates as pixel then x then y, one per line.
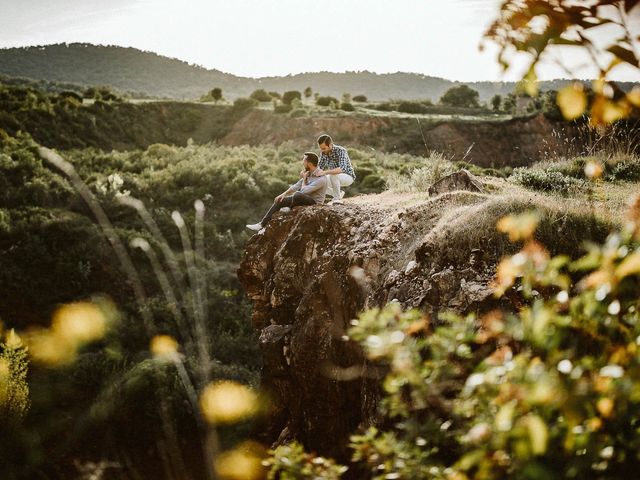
pixel 336 165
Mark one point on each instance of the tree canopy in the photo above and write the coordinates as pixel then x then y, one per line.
pixel 461 96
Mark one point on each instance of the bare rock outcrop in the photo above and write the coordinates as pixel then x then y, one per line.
pixel 460 180
pixel 311 272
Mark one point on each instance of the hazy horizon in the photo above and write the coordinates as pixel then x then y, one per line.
pixel 261 38
pixel 294 74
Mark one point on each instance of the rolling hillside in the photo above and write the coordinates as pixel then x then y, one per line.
pixel 132 70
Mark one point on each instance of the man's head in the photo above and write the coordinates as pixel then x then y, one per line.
pixel 325 143
pixel 310 161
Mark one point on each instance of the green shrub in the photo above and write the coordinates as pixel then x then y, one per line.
pixel 291 462
pixel 14 389
pixel 548 181
pixel 241 104
pixel 504 172
pixel 69 94
pixel 360 98
pixel 384 106
pixel 412 107
pixel 373 183
pixel 627 170
pixel 283 108
pixel 325 101
pixel 460 96
pixel 347 107
pixel 261 95
pixel 364 171
pixel 291 95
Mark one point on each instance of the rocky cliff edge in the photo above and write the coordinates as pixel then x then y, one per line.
pixel 312 270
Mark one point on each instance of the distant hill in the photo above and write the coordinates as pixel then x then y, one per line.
pixel 138 72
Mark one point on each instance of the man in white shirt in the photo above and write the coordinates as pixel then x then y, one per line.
pixel 336 165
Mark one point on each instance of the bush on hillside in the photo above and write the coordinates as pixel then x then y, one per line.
pixel 384 106
pixel 290 96
pixel 325 101
pixel 412 107
pixel 298 112
pixel 282 108
pixel 360 98
pixel 69 94
pixel 241 104
pixel 103 93
pixel 261 95
pixel 614 167
pixel 461 96
pixel 627 170
pixel 548 181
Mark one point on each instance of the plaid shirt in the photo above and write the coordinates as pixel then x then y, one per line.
pixel 338 157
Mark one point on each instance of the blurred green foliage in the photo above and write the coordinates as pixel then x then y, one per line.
pixel 53 252
pixel 291 462
pixel 550 389
pixel 14 389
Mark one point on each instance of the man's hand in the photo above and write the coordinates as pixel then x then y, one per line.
pixel 279 198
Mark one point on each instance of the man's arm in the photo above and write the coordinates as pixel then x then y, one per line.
pixel 293 188
pixel 333 171
pixel 344 161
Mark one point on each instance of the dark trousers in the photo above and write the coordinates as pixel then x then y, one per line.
pixel 295 200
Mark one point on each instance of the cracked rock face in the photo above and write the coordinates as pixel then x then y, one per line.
pixel 308 275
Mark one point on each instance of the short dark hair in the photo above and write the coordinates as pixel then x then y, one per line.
pixel 312 158
pixel 324 139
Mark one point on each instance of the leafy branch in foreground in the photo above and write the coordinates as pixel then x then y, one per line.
pixel 539 26
pixel 550 390
pixel 14 368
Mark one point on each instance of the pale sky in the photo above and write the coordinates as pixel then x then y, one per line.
pixel 259 38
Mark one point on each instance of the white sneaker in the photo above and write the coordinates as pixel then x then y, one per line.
pixel 285 209
pixel 254 226
pixel 335 201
